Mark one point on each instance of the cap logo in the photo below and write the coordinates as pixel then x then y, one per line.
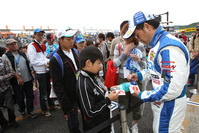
pixel 150 17
pixel 139 17
pixel 128 32
pixel 79 36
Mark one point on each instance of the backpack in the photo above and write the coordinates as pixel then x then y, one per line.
pixel 60 62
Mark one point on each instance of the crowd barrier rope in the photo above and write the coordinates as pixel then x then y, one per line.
pixel 114 118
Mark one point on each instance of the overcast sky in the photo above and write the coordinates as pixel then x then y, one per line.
pixel 102 14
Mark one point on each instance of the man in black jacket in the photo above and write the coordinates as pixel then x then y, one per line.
pixel 63 69
pixel 22 80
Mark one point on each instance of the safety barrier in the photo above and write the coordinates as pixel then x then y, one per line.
pixel 121 115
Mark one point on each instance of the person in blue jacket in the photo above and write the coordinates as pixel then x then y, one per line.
pixel 50 46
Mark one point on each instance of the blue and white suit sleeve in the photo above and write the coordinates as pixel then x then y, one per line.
pixel 172 61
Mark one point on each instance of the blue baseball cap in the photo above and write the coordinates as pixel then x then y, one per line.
pixel 138 18
pixel 79 38
pixel 38 30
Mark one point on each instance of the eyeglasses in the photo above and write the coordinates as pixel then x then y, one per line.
pixel 39 34
pixel 197 29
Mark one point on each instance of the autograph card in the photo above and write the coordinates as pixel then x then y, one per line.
pixel 133 87
pixel 122 92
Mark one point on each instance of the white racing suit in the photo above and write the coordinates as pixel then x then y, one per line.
pixel 168 68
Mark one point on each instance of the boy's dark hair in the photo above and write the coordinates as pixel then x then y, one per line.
pixel 123 23
pixel 89 53
pixel 62 39
pixel 2 50
pixel 155 23
pixel 101 35
pixel 110 34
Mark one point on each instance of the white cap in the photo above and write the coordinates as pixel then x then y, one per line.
pixel 66 33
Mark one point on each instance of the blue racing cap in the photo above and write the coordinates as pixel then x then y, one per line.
pixel 38 30
pixel 138 18
pixel 79 38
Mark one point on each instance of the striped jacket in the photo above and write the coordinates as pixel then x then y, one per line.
pixel 92 102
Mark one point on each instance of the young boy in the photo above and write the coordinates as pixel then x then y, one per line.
pixel 64 77
pixel 91 96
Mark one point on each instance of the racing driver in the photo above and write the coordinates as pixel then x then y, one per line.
pixel 168 68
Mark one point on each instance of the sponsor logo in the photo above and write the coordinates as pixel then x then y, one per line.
pixel 152 56
pixel 167 62
pixel 156 81
pixel 157 104
pixel 155 76
pixel 171 68
pixel 96 92
pixel 151 66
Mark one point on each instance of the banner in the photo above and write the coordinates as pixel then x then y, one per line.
pixel 188 29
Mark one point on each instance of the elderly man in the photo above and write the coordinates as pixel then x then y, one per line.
pixel 22 80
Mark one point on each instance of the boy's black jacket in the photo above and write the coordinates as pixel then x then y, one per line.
pixel 64 86
pixel 92 102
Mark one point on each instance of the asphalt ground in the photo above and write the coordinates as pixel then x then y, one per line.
pixel 56 123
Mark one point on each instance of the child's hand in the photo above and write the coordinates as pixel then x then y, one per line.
pixel 113 95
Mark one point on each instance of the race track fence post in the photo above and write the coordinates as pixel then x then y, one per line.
pixel 198 77
pixel 123 119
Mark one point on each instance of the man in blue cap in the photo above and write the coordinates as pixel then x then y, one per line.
pixel 168 67
pixel 37 55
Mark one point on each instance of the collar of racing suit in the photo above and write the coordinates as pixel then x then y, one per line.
pixel 159 32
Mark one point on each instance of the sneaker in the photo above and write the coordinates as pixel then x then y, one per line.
pixel 66 116
pixel 14 125
pixel 135 128
pixel 47 113
pixel 78 111
pixel 23 114
pixel 55 107
pixel 32 115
